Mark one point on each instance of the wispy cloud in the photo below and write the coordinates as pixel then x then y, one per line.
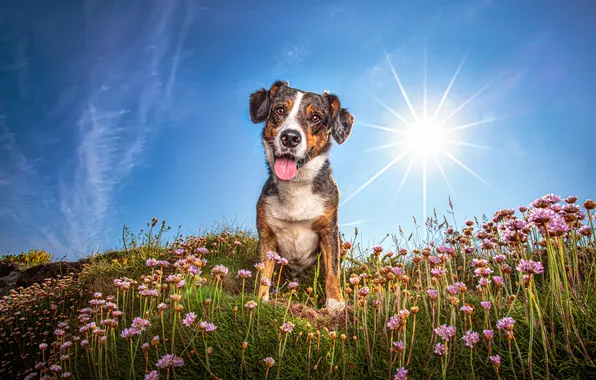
pixel 118 98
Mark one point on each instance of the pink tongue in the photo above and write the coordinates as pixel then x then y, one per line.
pixel 285 168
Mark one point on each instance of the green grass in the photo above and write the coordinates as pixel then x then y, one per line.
pixel 352 344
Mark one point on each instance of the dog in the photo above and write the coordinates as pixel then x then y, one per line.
pixel 298 205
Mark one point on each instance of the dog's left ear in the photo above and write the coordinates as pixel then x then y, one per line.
pixel 341 121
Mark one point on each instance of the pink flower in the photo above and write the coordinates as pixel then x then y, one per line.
pixel 439 349
pixel 471 338
pixel 189 319
pixel 269 362
pixel 207 326
pixel 496 360
pixel 243 273
pixel 364 291
pixel 153 375
pixel 432 294
pixel 168 361
pixel 287 327
pixel 486 305
pixel 445 332
pixel 393 323
pixel 530 267
pixel 401 374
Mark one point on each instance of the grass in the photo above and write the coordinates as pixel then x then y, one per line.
pixel 520 288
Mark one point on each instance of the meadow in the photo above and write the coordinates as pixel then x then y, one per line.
pixel 507 297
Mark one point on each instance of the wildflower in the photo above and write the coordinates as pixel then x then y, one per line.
pixel 471 338
pixel 432 294
pixel 393 323
pixel 181 283
pixel 66 375
pixel 399 346
pixel 179 252
pixel 151 262
pixel 585 231
pixel 55 368
pixel 467 309
pixel 486 305
pixel 364 291
pixel 128 333
pixel 207 326
pixel 293 285
pixel 269 362
pixel 445 332
pixel 403 314
pixel 452 289
pixel 153 375
pixel 488 335
pixel 265 281
pixel 541 216
pixel 437 272
pixel 589 204
pixel 498 280
pixel 168 361
pixel 354 280
pixel 250 305
pixel 243 273
pixel 496 360
pixel 439 349
pixel 140 324
pixel 273 256
pixel 155 340
pixel 506 324
pixel 43 346
pixel 377 249
pixel 219 271
pixel 461 286
pixel 202 250
pixel 189 319
pixel 162 306
pixel 401 374
pixel 530 267
pixel 287 327
pixel 557 226
pixel 259 267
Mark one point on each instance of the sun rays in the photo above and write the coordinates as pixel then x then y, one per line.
pixel 425 138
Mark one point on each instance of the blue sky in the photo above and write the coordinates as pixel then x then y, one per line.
pixel 115 112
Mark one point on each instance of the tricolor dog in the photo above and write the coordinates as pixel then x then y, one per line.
pixel 297 208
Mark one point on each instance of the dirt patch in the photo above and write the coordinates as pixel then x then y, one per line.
pixel 319 318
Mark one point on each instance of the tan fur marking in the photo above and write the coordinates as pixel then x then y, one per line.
pixel 267 243
pixel 325 227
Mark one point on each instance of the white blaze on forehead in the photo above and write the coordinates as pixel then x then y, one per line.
pixel 293 123
pixel 295 107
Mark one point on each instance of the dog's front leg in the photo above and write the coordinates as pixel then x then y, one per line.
pixel 329 244
pixel 267 243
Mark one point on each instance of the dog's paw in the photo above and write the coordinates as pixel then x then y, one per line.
pixel 334 304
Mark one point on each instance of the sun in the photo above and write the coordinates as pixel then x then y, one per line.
pixel 426 137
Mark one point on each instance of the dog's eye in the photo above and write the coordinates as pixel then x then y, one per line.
pixel 315 118
pixel 279 111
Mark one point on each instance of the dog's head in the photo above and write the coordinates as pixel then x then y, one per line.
pixel 299 125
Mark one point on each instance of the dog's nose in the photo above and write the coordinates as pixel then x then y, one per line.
pixel 290 138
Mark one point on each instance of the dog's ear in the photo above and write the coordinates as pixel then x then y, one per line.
pixel 340 120
pixel 260 102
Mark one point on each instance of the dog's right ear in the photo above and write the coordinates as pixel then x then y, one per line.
pixel 260 102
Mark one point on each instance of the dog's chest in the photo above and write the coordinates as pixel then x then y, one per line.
pixel 290 215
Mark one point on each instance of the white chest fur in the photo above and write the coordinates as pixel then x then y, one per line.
pixel 290 214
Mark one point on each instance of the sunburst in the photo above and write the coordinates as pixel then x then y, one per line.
pixel 426 138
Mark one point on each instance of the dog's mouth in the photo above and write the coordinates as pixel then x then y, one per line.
pixel 286 166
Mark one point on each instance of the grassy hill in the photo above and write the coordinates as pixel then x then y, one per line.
pixel 513 297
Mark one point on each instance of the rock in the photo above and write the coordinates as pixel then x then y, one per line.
pixel 6 268
pixel 12 278
pixel 39 273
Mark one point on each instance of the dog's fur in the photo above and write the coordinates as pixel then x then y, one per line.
pixel 297 218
